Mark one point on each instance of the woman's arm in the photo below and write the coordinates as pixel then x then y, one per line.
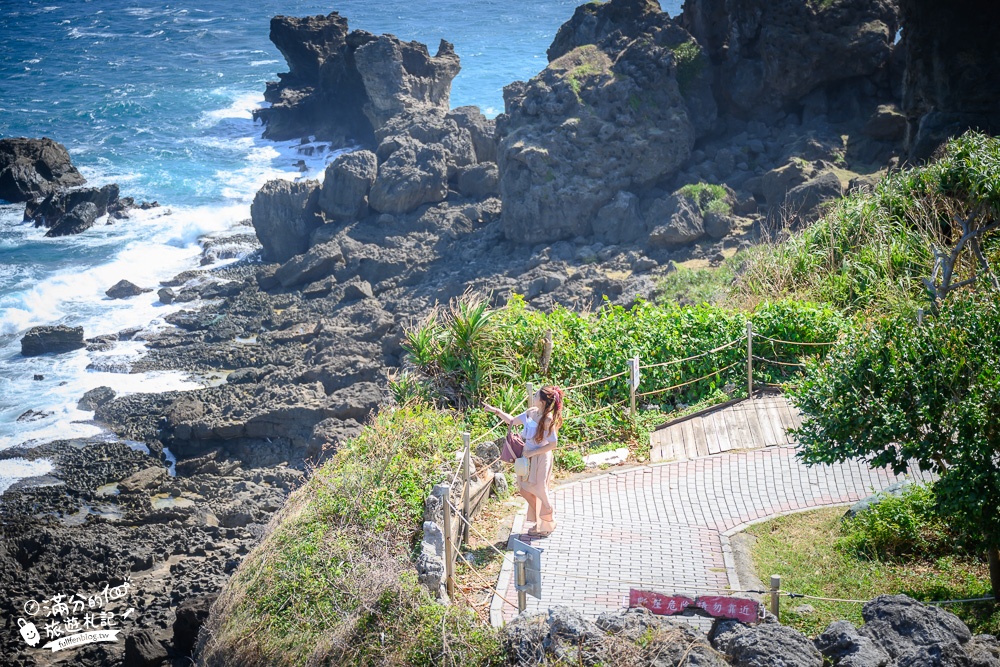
pixel 506 418
pixel 551 442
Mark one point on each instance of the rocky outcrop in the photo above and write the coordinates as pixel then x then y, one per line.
pixel 403 78
pixel 344 86
pixel 284 215
pixel 950 82
pixel 73 211
pixel 602 119
pixel 769 54
pixel 124 289
pixel 56 339
pixel 34 168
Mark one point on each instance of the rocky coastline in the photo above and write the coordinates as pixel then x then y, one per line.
pixel 578 194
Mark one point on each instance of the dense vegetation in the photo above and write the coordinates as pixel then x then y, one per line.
pixel 472 353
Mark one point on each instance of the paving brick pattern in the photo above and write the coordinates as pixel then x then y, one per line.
pixel 665 527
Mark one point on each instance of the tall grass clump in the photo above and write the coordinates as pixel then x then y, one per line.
pixel 874 247
pixel 333 581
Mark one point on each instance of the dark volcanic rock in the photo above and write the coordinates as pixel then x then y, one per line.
pixel 348 179
pixel 480 128
pixel 43 339
pixel 769 53
pixel 761 645
pixel 143 650
pixel 906 629
pixel 321 94
pixel 601 119
pixel 319 262
pixel 411 176
pixel 951 82
pixel 33 168
pixel 73 211
pixel 402 77
pixel 841 644
pixel 95 398
pixel 124 289
pixel 284 216
pixel 344 85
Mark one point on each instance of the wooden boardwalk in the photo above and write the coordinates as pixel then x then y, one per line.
pixel 762 421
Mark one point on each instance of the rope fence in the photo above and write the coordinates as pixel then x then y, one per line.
pixel 684 384
pixel 674 362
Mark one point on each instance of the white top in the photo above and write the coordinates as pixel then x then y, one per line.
pixel 530 428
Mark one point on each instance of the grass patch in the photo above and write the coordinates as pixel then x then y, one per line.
pixel 333 582
pixel 803 549
pixel 690 64
pixel 709 197
pixel 694 286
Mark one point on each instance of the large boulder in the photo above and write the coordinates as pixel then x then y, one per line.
pixel 596 122
pixel 124 289
pixel 34 168
pixel 284 215
pixel 44 339
pixel 480 128
pixel 82 206
pixel 319 262
pixel 803 200
pixel 906 629
pixel 769 53
pixel 348 179
pixel 764 645
pixel 950 83
pixel 845 647
pixel 411 176
pixel 674 221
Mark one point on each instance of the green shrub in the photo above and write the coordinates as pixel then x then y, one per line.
pixel 897 526
pixel 570 460
pixel 690 64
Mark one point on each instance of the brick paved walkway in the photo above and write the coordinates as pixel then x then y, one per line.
pixel 666 527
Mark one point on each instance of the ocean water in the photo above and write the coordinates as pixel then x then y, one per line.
pixel 157 97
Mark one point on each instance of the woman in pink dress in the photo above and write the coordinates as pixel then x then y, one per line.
pixel 541 423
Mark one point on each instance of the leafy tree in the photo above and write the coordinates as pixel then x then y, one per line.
pixel 898 394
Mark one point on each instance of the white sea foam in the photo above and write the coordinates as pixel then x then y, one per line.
pixel 12 470
pixel 258 63
pixel 241 107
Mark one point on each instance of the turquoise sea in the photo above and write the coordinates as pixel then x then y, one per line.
pixel 157 97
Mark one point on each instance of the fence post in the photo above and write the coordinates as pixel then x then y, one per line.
pixel 749 359
pixel 546 352
pixel 520 559
pixel 920 316
pixel 633 382
pixel 531 392
pixel 775 587
pixel 466 472
pixel 449 561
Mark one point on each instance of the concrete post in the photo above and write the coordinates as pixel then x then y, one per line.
pixel 775 587
pixel 520 558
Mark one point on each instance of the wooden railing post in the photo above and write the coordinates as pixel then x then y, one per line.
pixel 449 551
pixel 920 316
pixel 775 588
pixel 749 359
pixel 466 473
pixel 633 383
pixel 531 392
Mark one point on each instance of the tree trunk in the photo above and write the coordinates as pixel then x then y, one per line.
pixel 993 556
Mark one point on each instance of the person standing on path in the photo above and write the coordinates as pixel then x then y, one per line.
pixel 541 423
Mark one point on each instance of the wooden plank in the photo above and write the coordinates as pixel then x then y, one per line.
pixel 698 426
pixel 724 432
pixel 753 424
pixel 786 419
pixel 687 428
pixel 711 433
pixel 774 420
pixel 656 446
pixel 675 444
pixel 736 425
pixel 768 437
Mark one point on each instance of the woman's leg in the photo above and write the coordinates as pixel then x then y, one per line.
pixel 532 503
pixel 539 486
